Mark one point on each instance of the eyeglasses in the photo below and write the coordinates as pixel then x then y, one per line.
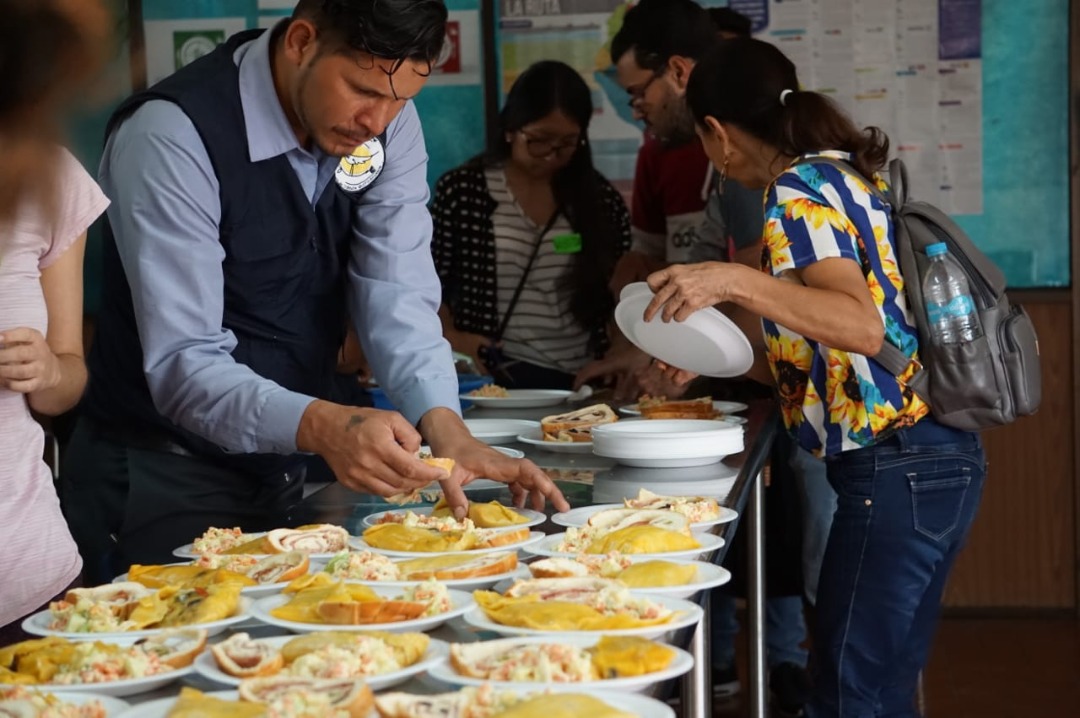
pixel 540 148
pixel 637 95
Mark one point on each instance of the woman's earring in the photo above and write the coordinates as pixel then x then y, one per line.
pixel 723 170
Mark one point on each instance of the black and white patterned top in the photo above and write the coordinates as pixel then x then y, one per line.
pixel 481 244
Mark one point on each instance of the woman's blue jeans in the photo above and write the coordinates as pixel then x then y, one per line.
pixel 904 510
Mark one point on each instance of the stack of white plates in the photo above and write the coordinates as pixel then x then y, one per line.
pixel 616 486
pixel 667 443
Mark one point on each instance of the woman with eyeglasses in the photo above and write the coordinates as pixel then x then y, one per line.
pixel 527 236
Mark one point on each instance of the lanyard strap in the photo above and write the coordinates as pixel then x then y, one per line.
pixel 524 276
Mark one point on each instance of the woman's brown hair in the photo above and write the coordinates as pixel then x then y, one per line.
pixel 48 49
pixel 745 82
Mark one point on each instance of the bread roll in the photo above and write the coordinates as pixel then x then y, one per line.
pixel 351 696
pixel 321 538
pixel 560 589
pixel 359 613
pixel 242 657
pixel 558 568
pixel 577 425
pixel 280 567
pixel 612 520
pixel 443 705
pixel 451 567
pixel 178 647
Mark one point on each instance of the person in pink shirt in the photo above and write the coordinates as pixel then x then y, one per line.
pixel 48 203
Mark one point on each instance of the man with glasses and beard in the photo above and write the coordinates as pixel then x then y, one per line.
pixel 263 196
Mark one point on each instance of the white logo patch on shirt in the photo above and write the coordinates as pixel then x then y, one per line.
pixel 359 169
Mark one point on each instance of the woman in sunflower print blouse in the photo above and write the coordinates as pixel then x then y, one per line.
pixel 829 294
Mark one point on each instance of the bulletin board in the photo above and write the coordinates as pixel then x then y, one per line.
pixel 1021 50
pixel 974 94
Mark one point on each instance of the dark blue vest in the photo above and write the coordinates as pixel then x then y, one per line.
pixel 284 270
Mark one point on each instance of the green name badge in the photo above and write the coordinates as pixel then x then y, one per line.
pixel 567 243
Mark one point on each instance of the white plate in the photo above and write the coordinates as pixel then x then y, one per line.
pixel 188 551
pixel 709 542
pixel 361 545
pixel 38 625
pixel 535 438
pixel 263 589
pixel 664 443
pixel 580 516
pixel 724 407
pixel 126 687
pixel 460 601
pixel 535 518
pixel 688 614
pixel 113 706
pixel 512 453
pixel 709 576
pixel 160 708
pixel 636 704
pixel 707 343
pixel 461 584
pixel 521 399
pixel 494 431
pixel 680 665
pixel 206 666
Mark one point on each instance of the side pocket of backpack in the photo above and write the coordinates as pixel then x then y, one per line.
pixel 1020 352
pixel 962 379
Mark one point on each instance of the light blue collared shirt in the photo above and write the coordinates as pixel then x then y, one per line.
pixel 165 215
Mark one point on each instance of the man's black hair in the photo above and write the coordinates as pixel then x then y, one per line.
pixel 397 30
pixel 657 30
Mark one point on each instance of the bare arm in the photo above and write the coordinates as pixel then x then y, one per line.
pixel 62 284
pixel 827 301
pixel 50 370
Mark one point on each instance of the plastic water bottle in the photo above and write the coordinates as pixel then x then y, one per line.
pixel 947 297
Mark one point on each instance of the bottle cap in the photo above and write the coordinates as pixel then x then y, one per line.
pixel 936 249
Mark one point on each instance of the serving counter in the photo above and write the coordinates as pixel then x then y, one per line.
pixel 586 479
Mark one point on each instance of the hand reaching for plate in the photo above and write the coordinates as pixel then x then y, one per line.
pixel 679 377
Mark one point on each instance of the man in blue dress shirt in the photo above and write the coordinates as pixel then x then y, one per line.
pixel 261 197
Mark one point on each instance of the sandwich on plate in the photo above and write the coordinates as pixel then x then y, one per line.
pixel 321 599
pixel 58 661
pixel 323 655
pixel 513 660
pixel 576 426
pixel 630 531
pixel 130 606
pixel 661 408
pixel 485 702
pixel 642 574
pixel 572 604
pixel 281 697
pixel 419 539
pixel 373 567
pixel 22 702
pixel 696 508
pixel 313 538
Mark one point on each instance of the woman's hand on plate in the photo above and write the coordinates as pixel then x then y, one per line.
pixel 682 289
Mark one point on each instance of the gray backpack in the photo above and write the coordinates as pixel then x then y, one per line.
pixel 974 385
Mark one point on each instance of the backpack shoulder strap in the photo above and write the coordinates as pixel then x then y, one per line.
pixel 898 183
